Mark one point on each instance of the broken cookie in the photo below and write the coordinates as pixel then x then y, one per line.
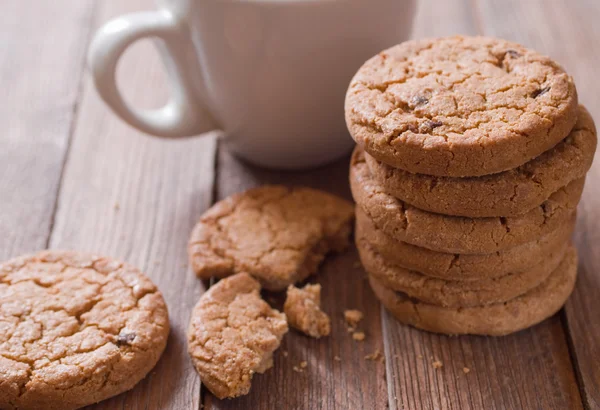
pixel 233 334
pixel 303 310
pixel 278 234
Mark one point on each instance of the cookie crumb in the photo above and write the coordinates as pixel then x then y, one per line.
pixel 117 206
pixel 337 358
pixel 303 364
pixel 420 356
pixel 303 310
pixel 466 370
pixel 284 353
pixel 297 369
pixel 376 355
pixel 358 336
pixel 437 364
pixel 353 317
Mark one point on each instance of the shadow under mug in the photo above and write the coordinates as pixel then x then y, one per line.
pixel 272 74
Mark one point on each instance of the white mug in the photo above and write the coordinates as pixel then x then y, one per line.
pixel 272 74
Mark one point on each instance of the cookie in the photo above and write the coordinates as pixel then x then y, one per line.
pixel 454 293
pixel 455 266
pixel 303 311
pixel 459 106
pixel 75 329
pixel 278 234
pixel 233 334
pixel 508 193
pixel 455 234
pixel 494 320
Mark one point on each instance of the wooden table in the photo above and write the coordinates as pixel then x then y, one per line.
pixel 73 176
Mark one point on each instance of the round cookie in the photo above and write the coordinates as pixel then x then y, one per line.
pixel 512 192
pixel 76 329
pixel 494 320
pixel 278 234
pixel 455 266
pixel 459 106
pixel 455 293
pixel 455 234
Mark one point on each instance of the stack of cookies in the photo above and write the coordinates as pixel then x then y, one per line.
pixel 471 160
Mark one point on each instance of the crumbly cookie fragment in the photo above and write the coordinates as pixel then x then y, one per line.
pixel 459 106
pixel 233 334
pixel 303 310
pixel 278 234
pixel 353 317
pixel 75 329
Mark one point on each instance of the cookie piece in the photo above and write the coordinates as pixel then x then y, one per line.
pixel 494 320
pixel 303 310
pixel 233 334
pixel 278 234
pixel 455 266
pixel 456 234
pixel 508 193
pixel 75 329
pixel 454 293
pixel 459 106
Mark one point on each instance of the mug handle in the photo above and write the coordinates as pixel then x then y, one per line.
pixel 186 113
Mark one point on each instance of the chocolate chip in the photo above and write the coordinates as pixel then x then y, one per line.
pixel 418 100
pixel 537 93
pixel 125 338
pixel 513 53
pixel 434 124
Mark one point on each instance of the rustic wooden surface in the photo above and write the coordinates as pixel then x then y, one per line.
pixel 73 176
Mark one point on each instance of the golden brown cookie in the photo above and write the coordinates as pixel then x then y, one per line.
pixel 452 293
pixel 279 235
pixel 75 329
pixel 303 310
pixel 512 192
pixel 494 320
pixel 233 334
pixel 455 266
pixel 459 106
pixel 456 234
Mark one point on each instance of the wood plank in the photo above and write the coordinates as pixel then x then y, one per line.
pixel 42 47
pixel 136 198
pixel 569 32
pixel 531 369
pixel 353 382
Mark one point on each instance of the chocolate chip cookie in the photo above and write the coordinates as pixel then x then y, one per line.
pixel 494 320
pixel 233 334
pixel 453 293
pixel 75 329
pixel 462 267
pixel 455 234
pixel 278 234
pixel 508 193
pixel 459 106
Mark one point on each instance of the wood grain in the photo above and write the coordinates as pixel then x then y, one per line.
pixel 568 31
pixel 351 383
pixel 42 47
pixel 528 370
pixel 136 198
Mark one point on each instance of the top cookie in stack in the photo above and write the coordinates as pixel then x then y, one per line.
pixel 470 149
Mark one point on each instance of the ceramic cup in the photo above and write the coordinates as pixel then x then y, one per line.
pixel 271 74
